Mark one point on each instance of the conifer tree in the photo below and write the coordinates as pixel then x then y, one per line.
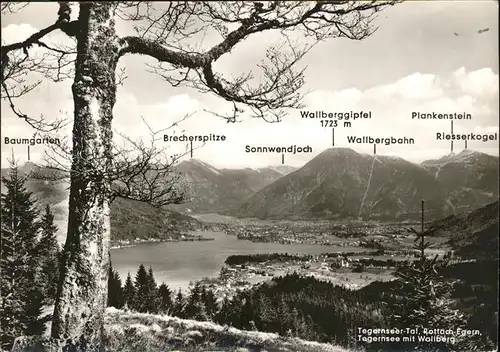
pixel 141 286
pixel 11 301
pixel 33 311
pixel 129 292
pixel 209 301
pixel 194 307
pixel 179 305
pixel 246 313
pixel 49 253
pixel 151 294
pixel 223 316
pixel 19 212
pixel 422 298
pixel 296 321
pixel 21 299
pixel 165 303
pixel 264 312
pixel 234 311
pixel 283 314
pixel 115 290
pixel 309 329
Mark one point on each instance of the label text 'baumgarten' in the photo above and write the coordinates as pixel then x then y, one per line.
pixel 31 141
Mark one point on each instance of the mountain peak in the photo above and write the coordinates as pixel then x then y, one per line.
pixel 466 152
pixel 453 157
pixel 28 167
pixel 281 169
pixel 193 161
pixel 199 163
pixel 337 155
pixel 342 183
pixel 338 151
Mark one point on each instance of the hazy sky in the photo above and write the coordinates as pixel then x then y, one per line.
pixel 426 56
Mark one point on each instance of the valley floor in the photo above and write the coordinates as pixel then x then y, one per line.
pixel 358 243
pixel 238 277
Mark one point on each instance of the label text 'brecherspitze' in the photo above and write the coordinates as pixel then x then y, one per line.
pixel 202 138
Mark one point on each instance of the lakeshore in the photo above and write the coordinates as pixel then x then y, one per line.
pixel 179 262
pixel 182 238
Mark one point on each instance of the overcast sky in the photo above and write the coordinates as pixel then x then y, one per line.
pixel 426 56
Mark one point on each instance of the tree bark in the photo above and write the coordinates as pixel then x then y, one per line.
pixel 82 293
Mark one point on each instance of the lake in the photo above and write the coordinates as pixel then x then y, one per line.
pixel 179 263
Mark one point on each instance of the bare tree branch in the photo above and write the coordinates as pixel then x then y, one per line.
pixel 281 81
pixel 141 170
pixel 17 64
pixel 35 38
pixel 9 7
pixel 161 22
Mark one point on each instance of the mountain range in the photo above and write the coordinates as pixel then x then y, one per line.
pixel 341 183
pixel 130 220
pixel 212 190
pixel 469 178
pixel 337 183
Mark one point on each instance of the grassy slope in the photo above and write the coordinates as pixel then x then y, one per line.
pixel 130 332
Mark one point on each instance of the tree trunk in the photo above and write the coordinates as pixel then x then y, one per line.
pixel 82 292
